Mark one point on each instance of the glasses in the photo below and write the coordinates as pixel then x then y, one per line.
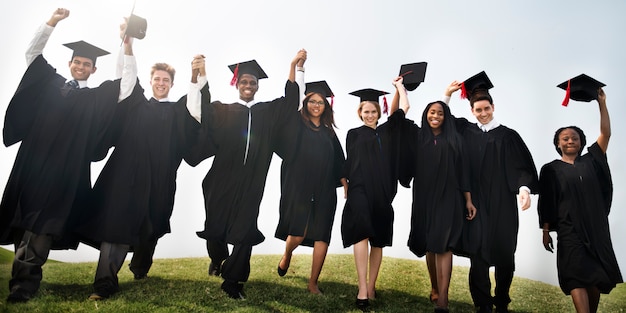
pixel 318 103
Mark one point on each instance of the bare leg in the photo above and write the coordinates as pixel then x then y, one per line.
pixel 360 259
pixel 320 249
pixel 432 273
pixel 444 271
pixel 291 244
pixel 376 258
pixel 581 300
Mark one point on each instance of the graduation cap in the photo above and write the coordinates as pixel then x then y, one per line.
pixel 249 67
pixel 476 83
pixel 370 94
pixel 136 27
pixel 580 88
pixel 413 74
pixel 86 50
pixel 321 87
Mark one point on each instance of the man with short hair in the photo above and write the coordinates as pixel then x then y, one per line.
pixel 59 125
pixel 133 198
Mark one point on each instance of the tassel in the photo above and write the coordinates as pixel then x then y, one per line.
pixel 233 81
pixel 567 92
pixel 332 101
pixel 463 91
pixel 385 106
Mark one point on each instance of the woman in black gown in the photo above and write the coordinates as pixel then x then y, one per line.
pixel 574 200
pixel 371 174
pixel 309 181
pixel 440 190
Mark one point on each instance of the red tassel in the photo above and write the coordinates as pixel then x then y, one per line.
pixel 463 91
pixel 385 106
pixel 233 81
pixel 567 92
pixel 332 101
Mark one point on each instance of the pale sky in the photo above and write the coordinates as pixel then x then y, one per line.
pixel 526 48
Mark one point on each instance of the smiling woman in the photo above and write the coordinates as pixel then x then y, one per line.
pixel 350 53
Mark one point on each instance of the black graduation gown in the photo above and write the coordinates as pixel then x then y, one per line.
pixel 372 173
pixel 499 163
pixel 439 180
pixel 233 187
pixel 309 185
pixel 575 199
pixel 59 130
pixel 135 190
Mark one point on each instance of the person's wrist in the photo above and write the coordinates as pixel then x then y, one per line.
pixel 300 68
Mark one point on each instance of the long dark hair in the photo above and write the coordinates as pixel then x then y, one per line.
pixel 327 119
pixel 448 128
pixel 583 138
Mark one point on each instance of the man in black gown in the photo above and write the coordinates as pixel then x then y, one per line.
pixel 244 135
pixel 501 166
pixel 59 125
pixel 133 198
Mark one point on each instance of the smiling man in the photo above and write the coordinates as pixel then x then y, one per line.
pixel 500 166
pixel 59 125
pixel 245 135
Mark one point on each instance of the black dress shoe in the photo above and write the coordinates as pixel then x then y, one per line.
pixel 485 309
pixel 18 296
pixel 234 290
pixel 140 276
pixel 502 309
pixel 215 269
pixel 363 304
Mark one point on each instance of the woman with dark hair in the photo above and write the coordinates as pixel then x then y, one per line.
pixel 574 200
pixel 433 159
pixel 309 178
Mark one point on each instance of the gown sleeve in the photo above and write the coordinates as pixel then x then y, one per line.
pixel 28 99
pixel 520 168
pixel 601 166
pixel 547 207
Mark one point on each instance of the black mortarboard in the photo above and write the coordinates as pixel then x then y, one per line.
pixel 86 50
pixel 370 94
pixel 477 82
pixel 249 67
pixel 320 87
pixel 580 88
pixel 413 74
pixel 136 27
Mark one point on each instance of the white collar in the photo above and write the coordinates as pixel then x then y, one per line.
pixel 489 126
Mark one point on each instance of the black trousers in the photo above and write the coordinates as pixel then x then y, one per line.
pixel 236 266
pixel 142 257
pixel 30 254
pixel 480 283
pixel 112 257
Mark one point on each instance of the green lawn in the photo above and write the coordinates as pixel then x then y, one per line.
pixel 182 285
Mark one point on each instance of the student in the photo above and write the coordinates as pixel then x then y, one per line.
pixel 500 167
pixel 575 200
pixel 59 126
pixel 243 135
pixel 133 198
pixel 441 197
pixel 370 172
pixel 309 181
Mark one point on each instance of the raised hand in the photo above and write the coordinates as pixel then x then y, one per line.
pixel 454 86
pixel 58 15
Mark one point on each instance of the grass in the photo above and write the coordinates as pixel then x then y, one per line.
pixel 182 285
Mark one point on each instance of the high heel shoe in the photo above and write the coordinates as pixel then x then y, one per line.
pixel 281 272
pixel 363 304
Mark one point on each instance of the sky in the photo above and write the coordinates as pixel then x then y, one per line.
pixel 525 47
